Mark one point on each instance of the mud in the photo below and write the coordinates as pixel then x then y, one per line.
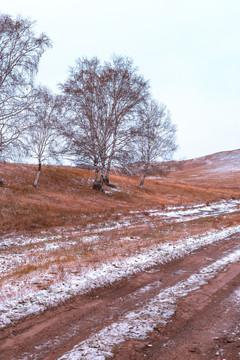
pixel 204 326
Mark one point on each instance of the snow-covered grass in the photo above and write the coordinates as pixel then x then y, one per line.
pixel 170 213
pixel 45 270
pixel 20 254
pixel 35 256
pixel 137 324
pixel 24 240
pixel 201 210
pixel 21 297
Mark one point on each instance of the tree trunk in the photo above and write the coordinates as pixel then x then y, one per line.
pixel 98 184
pixel 106 179
pixel 38 174
pixel 106 176
pixel 144 176
pixel 96 175
pixel 107 171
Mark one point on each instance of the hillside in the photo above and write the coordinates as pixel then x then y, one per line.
pixel 124 274
pixel 64 195
pixel 221 162
pixel 226 161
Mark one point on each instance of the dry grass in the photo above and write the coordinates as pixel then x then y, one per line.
pixel 64 196
pixel 108 245
pixel 65 205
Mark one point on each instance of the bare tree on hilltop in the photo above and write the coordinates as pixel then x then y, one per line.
pixel 42 139
pixel 101 102
pixel 125 90
pixel 20 52
pixel 80 120
pixel 155 137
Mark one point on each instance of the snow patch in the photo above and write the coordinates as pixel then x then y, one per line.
pixel 137 324
pixel 19 299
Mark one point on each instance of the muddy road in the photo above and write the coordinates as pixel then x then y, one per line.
pixel 187 308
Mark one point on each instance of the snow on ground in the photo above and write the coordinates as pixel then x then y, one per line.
pixel 90 239
pixel 236 296
pixel 9 262
pixel 171 213
pixel 26 250
pixel 202 210
pixel 137 324
pixel 22 240
pixel 21 297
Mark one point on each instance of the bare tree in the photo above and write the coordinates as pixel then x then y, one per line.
pixel 43 141
pixel 155 137
pixel 20 52
pixel 81 121
pixel 101 102
pixel 125 90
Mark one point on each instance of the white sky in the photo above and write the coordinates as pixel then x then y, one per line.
pixel 188 49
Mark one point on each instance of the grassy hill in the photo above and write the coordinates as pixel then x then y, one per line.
pixel 64 196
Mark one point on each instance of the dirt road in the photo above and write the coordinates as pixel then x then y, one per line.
pixel 185 309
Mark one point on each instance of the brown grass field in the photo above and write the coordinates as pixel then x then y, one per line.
pixel 65 204
pixel 64 196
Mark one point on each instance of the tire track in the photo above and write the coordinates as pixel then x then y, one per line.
pixel 52 334
pixel 15 308
pixel 139 323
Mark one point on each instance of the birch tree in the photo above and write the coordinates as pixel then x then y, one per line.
pixel 102 100
pixel 81 122
pixel 20 53
pixel 42 140
pixel 155 137
pixel 125 90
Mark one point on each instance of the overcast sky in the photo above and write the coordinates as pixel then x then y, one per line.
pixel 188 49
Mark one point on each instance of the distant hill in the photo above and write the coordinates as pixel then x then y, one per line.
pixel 225 161
pixel 221 161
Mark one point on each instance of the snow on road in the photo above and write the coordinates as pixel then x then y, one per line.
pixel 137 324
pixel 19 298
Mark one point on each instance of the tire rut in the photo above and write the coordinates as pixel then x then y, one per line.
pixel 53 333
pixel 204 327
